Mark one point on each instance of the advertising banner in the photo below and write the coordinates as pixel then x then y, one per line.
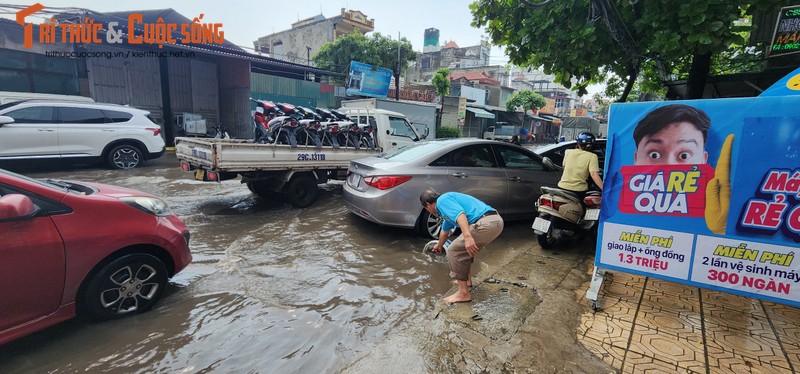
pixel 706 193
pixel 367 80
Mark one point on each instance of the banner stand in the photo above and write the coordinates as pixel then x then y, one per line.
pixel 598 275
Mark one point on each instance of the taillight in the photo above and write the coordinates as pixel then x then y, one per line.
pixel 555 205
pixel 592 201
pixel 335 129
pixel 386 182
pixel 156 131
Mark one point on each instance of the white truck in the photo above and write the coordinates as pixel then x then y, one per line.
pixel 421 115
pixel 295 172
pixel 501 131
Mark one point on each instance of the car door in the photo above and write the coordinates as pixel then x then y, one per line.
pixel 83 131
pixel 474 170
pixel 526 175
pixel 32 268
pixel 33 133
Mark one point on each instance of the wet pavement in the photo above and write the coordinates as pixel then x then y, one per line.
pixel 277 289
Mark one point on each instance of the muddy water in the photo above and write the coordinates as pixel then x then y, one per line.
pixel 271 288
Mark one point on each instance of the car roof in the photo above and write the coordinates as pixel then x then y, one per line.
pixel 550 147
pixel 75 104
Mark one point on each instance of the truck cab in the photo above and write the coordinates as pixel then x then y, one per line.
pixel 392 129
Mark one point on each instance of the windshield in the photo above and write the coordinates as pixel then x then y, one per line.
pixel 401 127
pixel 410 152
pixel 52 183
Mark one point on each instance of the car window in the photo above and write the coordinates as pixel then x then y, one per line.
pixel 472 156
pixel 37 114
pixel 401 127
pixel 363 120
pixel 115 116
pixel 81 115
pixel 518 159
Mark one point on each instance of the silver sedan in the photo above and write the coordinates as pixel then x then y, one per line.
pixel 385 188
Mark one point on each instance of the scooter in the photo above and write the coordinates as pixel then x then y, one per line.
pixel 265 111
pixel 561 216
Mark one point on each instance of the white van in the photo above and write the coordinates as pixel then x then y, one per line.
pixel 9 96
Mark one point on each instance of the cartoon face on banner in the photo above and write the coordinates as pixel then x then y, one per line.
pixel 696 191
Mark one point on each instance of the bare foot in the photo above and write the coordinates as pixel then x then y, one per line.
pixel 469 282
pixel 458 297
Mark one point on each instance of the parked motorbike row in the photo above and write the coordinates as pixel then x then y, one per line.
pixel 282 123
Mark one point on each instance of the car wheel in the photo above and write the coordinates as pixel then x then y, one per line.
pixel 125 156
pixel 302 191
pixel 429 225
pixel 128 285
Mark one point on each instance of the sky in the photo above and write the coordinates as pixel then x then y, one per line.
pixel 245 21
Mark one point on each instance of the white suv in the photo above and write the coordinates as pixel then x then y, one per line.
pixel 121 136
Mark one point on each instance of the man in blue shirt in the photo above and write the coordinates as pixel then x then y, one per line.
pixel 480 225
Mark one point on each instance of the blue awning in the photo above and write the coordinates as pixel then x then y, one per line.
pixel 480 113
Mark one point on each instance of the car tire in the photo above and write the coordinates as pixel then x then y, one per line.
pixel 128 285
pixel 125 156
pixel 301 191
pixel 429 225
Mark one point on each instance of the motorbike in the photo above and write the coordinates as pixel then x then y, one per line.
pixel 562 215
pixel 265 111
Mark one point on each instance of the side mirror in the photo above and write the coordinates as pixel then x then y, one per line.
pixel 548 163
pixel 5 120
pixel 427 132
pixel 15 207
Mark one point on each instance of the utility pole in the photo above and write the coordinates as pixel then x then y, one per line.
pixel 397 80
pixel 308 55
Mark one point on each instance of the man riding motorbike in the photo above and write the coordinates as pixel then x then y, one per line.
pixel 579 164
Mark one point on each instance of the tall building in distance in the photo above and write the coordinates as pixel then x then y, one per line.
pixel 307 36
pixel 431 43
pixel 451 56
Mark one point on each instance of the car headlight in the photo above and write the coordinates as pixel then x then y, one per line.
pixel 151 205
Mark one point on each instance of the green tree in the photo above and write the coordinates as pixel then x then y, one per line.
pixel 441 80
pixel 525 99
pixel 581 41
pixel 376 49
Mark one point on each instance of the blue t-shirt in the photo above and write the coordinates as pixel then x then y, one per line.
pixel 451 204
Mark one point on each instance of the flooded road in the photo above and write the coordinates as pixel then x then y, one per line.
pixel 271 288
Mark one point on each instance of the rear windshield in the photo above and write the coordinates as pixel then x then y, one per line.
pixel 411 151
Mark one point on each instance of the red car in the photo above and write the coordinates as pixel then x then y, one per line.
pixel 70 248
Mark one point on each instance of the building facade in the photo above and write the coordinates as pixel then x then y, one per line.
pixel 307 36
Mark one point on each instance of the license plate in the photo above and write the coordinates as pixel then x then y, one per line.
pixel 541 224
pixel 353 180
pixel 591 215
pixel 199 174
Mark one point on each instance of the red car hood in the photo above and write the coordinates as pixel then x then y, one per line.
pixel 114 191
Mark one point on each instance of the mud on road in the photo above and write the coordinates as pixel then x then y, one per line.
pixel 278 289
